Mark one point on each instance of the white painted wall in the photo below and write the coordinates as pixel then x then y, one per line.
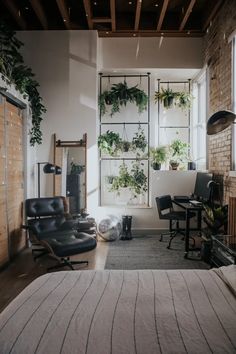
pixel 154 52
pixel 66 64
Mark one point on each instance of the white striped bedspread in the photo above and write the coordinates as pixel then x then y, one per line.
pixel 123 312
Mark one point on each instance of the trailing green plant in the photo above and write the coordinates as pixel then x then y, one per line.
pixel 184 99
pixel 76 169
pixel 139 140
pixel 123 180
pixel 14 71
pixel 109 142
pixel 135 180
pixel 166 96
pixel 139 178
pixel 158 155
pixel 119 95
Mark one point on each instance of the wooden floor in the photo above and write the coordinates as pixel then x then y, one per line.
pixel 23 270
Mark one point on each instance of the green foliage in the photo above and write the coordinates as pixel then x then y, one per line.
pixel 158 155
pixel 168 97
pixel 139 179
pixel 135 180
pixel 76 169
pixel 14 71
pixel 119 95
pixel 109 142
pixel 139 140
pixel 184 99
pixel 178 151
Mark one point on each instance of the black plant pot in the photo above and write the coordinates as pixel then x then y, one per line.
pixel 191 165
pixel 156 166
pixel 168 102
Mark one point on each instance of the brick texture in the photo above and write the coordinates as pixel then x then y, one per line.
pixel 218 57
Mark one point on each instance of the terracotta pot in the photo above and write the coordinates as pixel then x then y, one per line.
pixel 174 165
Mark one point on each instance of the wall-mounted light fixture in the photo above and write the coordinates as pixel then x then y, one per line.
pixel 48 168
pixel 220 121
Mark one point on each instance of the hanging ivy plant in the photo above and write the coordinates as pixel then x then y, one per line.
pixel 139 140
pixel 14 71
pixel 119 95
pixel 109 142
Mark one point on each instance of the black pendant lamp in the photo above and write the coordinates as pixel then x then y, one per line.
pixel 220 121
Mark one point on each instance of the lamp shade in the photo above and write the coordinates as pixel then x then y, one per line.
pixel 220 121
pixel 57 170
pixel 49 168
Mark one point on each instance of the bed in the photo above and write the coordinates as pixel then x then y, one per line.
pixel 124 312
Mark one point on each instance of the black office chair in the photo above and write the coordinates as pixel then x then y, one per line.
pixel 48 226
pixel 167 212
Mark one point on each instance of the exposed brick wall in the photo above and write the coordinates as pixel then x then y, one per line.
pixel 218 57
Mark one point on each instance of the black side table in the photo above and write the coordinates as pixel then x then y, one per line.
pixel 223 252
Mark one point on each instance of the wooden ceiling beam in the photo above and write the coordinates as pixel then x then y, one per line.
pixel 148 33
pixel 113 14
pixel 15 12
pixel 187 14
pixel 211 14
pixel 64 13
pixel 137 14
pixel 38 9
pixel 162 15
pixel 88 12
pixel 101 20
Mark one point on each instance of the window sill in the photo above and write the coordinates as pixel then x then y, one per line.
pixel 232 173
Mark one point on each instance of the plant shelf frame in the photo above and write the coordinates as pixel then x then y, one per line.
pixel 146 123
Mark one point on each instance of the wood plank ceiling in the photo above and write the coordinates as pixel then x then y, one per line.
pixel 113 18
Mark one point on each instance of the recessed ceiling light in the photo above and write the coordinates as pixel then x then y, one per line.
pixel 64 19
pixel 134 35
pixel 130 2
pixel 95 3
pixel 156 5
pixel 107 32
pixel 86 15
pixel 26 8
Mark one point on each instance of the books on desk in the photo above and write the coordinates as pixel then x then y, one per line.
pixel 195 202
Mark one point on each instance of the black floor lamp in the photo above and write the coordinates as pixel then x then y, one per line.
pixel 48 168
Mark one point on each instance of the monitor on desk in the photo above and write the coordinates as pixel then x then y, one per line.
pixel 201 190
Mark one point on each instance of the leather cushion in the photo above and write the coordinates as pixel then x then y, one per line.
pixel 36 207
pixel 177 215
pixel 67 243
pixel 45 225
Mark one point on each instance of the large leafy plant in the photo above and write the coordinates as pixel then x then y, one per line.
pixel 14 71
pixel 135 179
pixel 119 95
pixel 109 142
pixel 178 151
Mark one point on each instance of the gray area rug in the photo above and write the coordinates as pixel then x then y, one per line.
pixel 147 252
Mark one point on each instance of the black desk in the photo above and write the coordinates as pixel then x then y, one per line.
pixel 188 207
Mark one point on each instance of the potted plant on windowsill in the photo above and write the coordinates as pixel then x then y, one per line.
pixel 178 151
pixel 158 156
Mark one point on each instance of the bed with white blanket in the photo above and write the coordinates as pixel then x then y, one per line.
pixel 123 312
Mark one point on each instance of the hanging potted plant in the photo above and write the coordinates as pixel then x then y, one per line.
pixel 125 146
pixel 158 156
pixel 184 99
pixel 138 179
pixel 178 153
pixel 119 95
pixel 109 142
pixel 139 140
pixel 166 96
pixel 123 180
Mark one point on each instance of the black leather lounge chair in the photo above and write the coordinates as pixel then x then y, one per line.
pixel 49 227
